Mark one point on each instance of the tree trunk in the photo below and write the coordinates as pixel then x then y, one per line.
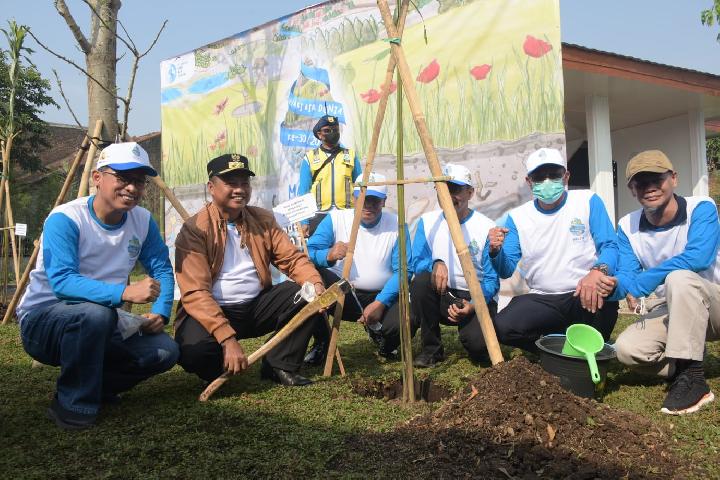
pixel 101 65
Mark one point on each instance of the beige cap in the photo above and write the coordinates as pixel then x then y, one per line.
pixel 653 161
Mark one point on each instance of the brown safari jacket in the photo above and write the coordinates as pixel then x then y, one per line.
pixel 199 254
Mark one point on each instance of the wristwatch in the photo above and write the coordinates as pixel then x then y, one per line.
pixel 602 267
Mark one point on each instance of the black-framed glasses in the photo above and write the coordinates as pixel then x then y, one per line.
pixel 645 180
pixel 539 177
pixel 124 181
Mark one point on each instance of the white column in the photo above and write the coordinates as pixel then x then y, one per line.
pixel 597 120
pixel 698 158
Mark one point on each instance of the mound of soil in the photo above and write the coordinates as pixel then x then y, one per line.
pixel 515 421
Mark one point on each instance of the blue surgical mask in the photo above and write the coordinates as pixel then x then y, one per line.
pixel 549 191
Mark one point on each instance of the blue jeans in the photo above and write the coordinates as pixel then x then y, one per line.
pixel 83 340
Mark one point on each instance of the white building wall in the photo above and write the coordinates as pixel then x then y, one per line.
pixel 671 135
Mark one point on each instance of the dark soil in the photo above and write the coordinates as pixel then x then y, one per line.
pixel 425 390
pixel 515 421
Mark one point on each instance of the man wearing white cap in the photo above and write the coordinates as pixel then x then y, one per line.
pixel 68 315
pixel 565 243
pixel 439 293
pixel 374 274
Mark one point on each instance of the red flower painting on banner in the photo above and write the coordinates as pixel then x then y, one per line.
pixel 536 48
pixel 480 72
pixel 371 96
pixel 429 73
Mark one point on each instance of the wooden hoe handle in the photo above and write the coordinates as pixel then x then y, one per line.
pixel 324 300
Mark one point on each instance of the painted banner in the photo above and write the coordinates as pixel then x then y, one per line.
pixel 488 74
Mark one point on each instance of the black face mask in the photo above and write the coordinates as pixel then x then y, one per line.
pixel 332 138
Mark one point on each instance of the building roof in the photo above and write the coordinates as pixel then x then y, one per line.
pixel 577 57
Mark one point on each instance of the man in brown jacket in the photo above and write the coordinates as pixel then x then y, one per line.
pixel 222 265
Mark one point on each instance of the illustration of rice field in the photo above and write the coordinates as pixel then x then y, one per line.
pixel 489 71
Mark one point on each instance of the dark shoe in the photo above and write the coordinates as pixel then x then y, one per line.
pixel 686 395
pixel 385 356
pixel 68 420
pixel 283 377
pixel 427 360
pixel 316 355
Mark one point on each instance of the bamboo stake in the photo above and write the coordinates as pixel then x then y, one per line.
pixel 404 297
pixel 85 179
pixel 171 196
pixel 372 149
pixel 443 194
pixel 6 148
pixel 404 181
pixel 20 287
pixel 11 224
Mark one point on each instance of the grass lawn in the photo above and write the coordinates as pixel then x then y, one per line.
pixel 253 428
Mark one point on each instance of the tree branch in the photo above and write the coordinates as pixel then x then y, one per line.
pixel 67 60
pixel 130 45
pixel 64 12
pixel 67 103
pixel 133 73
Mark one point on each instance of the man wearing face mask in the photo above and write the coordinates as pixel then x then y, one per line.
pixel 327 172
pixel 566 243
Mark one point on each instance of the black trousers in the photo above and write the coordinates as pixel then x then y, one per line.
pixel 528 317
pixel 351 312
pixel 431 308
pixel 201 354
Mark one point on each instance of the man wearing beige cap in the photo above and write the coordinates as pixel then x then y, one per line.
pixel 669 247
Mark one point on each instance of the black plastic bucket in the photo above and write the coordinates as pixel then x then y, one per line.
pixel 573 372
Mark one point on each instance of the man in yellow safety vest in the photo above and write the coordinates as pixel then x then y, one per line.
pixel 328 171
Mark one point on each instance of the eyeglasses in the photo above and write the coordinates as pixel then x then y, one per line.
pixel 645 180
pixel 539 177
pixel 124 181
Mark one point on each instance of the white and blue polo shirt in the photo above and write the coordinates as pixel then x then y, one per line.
pixel 82 259
pixel 433 243
pixel 558 247
pixel 649 253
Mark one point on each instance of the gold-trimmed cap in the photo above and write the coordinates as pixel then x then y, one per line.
pixel 229 162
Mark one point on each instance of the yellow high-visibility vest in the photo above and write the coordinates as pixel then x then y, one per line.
pixel 333 185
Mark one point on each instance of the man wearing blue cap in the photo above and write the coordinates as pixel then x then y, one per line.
pixel 374 274
pixel 328 171
pixel 68 315
pixel 439 293
pixel 563 243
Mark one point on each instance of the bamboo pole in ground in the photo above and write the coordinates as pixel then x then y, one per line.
pixel 443 194
pixel 372 149
pixel 6 148
pixel 20 287
pixel 404 295
pixel 11 224
pixel 303 242
pixel 85 179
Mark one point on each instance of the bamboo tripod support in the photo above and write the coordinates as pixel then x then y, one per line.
pixel 443 193
pixel 5 192
pixel 85 179
pixel 372 150
pixel 22 283
pixel 303 243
